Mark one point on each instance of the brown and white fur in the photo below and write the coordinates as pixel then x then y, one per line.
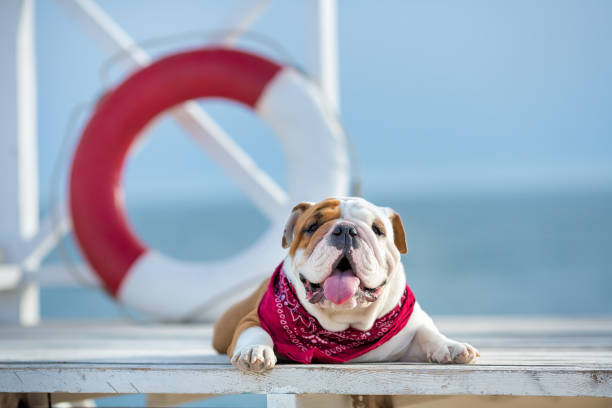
pixel 313 235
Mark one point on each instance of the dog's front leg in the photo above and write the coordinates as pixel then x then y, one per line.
pixel 430 345
pixel 254 350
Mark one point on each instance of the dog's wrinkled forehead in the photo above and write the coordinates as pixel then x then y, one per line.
pixel 310 221
pixel 358 209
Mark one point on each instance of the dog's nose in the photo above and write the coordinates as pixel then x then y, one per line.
pixel 344 236
pixel 343 229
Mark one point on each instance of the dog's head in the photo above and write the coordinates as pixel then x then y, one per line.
pixel 342 252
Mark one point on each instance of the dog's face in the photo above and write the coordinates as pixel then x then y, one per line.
pixel 343 251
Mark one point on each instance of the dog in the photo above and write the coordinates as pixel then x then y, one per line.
pixel 340 295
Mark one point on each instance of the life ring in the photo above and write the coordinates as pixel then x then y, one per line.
pixel 145 279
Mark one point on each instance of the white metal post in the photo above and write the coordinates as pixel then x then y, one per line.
pixel 261 188
pixel 18 154
pixel 322 47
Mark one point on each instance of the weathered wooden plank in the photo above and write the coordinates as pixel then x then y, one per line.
pixel 528 325
pixel 512 325
pixel 487 332
pixel 181 345
pixel 485 328
pixel 177 353
pixel 412 379
pixel 562 357
pixel 547 342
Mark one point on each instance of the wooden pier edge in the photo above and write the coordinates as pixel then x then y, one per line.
pixel 366 379
pixel 539 358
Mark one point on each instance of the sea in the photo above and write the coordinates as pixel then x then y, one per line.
pixel 518 253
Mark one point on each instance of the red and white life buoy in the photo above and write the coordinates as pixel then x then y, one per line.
pixel 146 279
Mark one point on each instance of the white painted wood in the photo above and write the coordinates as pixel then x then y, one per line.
pixel 171 351
pixel 20 305
pixel 10 277
pixel 92 338
pixel 52 229
pixel 281 401
pixel 322 401
pixel 322 48
pixel 190 116
pixel 527 325
pixel 256 184
pixel 308 401
pixel 123 358
pixel 18 150
pixel 400 379
pixel 534 332
pixel 113 39
pixel 27 149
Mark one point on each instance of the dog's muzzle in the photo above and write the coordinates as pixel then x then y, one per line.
pixel 341 285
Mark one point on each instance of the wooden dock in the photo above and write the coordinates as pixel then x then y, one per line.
pixel 520 356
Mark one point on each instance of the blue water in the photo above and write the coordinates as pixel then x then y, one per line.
pixel 530 253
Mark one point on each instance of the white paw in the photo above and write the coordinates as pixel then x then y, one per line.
pixel 452 352
pixel 255 358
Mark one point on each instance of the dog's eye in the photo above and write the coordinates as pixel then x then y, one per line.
pixel 377 230
pixel 312 228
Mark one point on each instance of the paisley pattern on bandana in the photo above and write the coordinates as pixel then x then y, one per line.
pixel 298 336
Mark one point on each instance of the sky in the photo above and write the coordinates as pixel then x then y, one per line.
pixel 437 96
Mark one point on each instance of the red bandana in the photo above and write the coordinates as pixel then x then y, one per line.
pixel 298 336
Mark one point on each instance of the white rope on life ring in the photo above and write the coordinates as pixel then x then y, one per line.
pixel 145 279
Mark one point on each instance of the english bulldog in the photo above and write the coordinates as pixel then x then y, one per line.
pixel 339 295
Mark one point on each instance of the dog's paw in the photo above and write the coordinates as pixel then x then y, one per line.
pixel 453 352
pixel 254 358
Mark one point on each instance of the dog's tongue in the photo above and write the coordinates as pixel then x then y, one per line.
pixel 340 286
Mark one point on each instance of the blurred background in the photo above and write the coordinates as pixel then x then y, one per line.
pixel 486 124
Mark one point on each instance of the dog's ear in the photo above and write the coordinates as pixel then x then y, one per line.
pixel 399 236
pixel 290 225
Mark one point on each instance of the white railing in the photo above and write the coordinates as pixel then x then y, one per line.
pixel 23 245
